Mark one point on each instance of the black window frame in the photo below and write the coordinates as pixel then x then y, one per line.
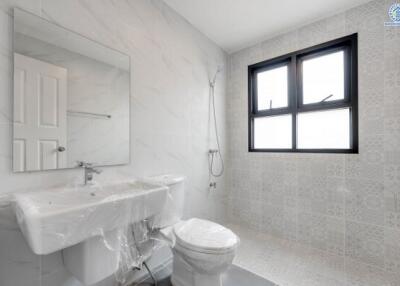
pixel 295 97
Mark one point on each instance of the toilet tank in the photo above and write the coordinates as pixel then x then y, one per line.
pixel 172 212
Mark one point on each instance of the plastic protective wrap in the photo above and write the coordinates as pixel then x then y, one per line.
pixel 101 229
pixel 204 235
pixel 137 246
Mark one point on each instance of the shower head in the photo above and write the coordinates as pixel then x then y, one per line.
pixel 212 83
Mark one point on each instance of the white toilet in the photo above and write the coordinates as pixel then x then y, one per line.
pixel 202 249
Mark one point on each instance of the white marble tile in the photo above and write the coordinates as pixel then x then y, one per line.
pixel 32 6
pixel 171 65
pixel 18 264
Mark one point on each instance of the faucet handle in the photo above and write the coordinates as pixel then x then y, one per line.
pixel 90 166
pixel 84 164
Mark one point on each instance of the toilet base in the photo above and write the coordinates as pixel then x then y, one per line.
pixel 199 280
pixel 183 275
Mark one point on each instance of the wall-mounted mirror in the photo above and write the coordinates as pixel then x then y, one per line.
pixel 71 98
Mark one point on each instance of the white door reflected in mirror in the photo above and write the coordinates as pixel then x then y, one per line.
pixel 69 92
pixel 40 118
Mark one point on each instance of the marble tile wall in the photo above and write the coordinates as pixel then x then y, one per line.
pixel 170 126
pixel 345 205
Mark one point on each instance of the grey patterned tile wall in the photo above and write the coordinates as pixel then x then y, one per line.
pixel 347 205
pixel 392 250
pixel 365 243
pixel 359 274
pixel 392 128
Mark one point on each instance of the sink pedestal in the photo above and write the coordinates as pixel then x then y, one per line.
pixel 94 259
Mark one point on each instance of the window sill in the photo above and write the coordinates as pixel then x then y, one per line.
pixel 317 151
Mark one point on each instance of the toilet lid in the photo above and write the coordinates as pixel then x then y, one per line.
pixel 203 235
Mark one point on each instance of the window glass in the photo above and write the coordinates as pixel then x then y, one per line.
pixel 323 78
pixel 273 132
pixel 306 100
pixel 272 88
pixel 324 129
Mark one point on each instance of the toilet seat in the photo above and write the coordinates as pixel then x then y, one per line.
pixel 204 236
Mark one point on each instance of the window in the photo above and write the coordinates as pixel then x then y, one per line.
pixel 306 101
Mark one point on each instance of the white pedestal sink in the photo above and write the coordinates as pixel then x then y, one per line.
pixel 76 219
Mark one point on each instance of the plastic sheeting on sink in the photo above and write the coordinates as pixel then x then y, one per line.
pixel 109 220
pixel 115 253
pixel 55 219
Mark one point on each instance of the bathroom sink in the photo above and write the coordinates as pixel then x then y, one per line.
pixel 55 219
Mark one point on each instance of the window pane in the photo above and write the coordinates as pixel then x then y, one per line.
pixel 324 129
pixel 323 78
pixel 272 88
pixel 273 132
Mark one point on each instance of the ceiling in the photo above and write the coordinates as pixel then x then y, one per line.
pixel 236 24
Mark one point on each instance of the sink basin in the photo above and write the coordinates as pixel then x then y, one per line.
pixel 55 219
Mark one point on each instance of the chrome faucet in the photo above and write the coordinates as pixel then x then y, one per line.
pixel 89 171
